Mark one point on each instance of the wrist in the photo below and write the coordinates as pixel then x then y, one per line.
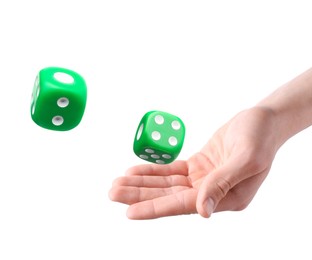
pixel 291 106
pixel 279 122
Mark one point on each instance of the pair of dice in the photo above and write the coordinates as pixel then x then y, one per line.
pixel 59 100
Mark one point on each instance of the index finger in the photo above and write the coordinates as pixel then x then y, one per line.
pixel 174 168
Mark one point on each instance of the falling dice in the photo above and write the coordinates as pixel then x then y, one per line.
pixel 159 137
pixel 58 99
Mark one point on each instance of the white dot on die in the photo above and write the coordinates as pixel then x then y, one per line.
pixel 173 140
pixel 160 161
pixel 140 131
pixel 33 109
pixel 35 94
pixel 156 135
pixel 159 119
pixel 155 156
pixel 37 91
pixel 63 102
pixel 166 156
pixel 176 125
pixel 37 80
pixel 57 120
pixel 149 150
pixel 143 156
pixel 63 77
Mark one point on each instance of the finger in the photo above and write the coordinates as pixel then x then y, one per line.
pixel 174 168
pixel 217 184
pixel 152 181
pixel 183 202
pixel 239 197
pixel 130 195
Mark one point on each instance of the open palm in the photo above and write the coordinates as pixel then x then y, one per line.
pixel 224 175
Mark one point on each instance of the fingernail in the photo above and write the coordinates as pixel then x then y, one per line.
pixel 210 206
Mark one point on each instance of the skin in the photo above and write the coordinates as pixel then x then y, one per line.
pixel 228 171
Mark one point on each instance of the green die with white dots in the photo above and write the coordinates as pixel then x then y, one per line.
pixel 159 137
pixel 58 99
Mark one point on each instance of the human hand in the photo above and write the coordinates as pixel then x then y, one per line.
pixel 224 175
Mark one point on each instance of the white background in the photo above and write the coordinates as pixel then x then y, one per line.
pixel 201 60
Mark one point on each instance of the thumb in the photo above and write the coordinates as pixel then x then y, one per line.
pixel 215 187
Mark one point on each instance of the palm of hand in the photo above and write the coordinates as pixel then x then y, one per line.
pixel 233 164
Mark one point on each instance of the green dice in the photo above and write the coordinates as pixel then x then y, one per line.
pixel 159 137
pixel 58 99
